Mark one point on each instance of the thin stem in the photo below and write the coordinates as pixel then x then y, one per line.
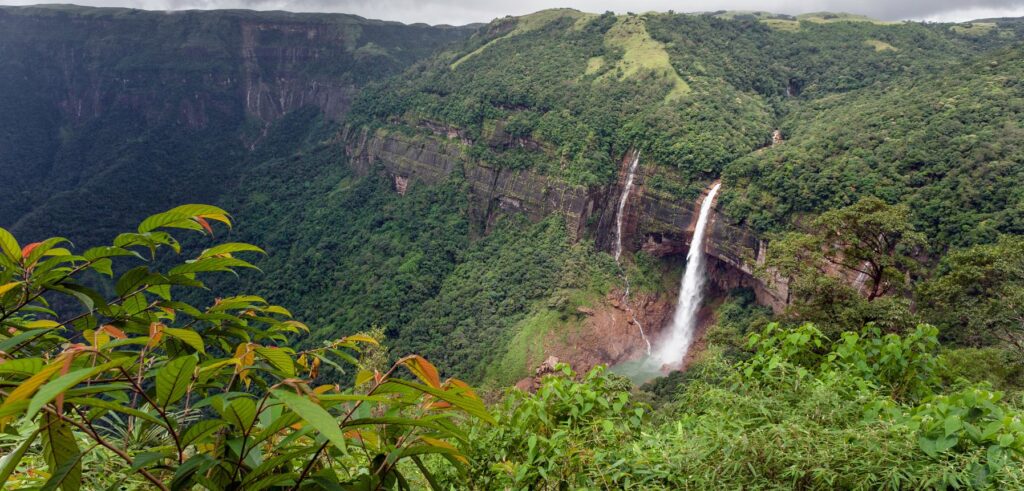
pixel 30 298
pixel 245 435
pixel 316 455
pixel 163 414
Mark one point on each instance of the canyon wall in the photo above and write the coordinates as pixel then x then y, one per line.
pixel 191 67
pixel 429 160
pixel 655 222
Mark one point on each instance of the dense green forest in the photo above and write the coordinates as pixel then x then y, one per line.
pixel 312 328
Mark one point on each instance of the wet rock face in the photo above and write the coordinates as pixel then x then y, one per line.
pixel 274 78
pixel 605 334
pixel 401 185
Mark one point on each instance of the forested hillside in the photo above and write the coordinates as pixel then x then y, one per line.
pixel 388 194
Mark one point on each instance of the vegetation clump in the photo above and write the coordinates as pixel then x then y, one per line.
pixel 127 385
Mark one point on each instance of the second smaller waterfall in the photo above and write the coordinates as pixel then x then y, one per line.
pixel 677 341
pixel 627 187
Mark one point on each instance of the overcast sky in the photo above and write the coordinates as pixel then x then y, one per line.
pixel 467 11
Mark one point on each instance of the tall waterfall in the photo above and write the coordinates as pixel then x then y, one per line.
pixel 626 189
pixel 680 335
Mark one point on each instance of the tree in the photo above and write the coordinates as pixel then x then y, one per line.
pixel 847 259
pixel 222 401
pixel 870 238
pixel 978 294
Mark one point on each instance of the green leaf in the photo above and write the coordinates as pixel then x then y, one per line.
pixel 241 412
pixel 281 422
pixel 110 389
pixel 470 405
pixel 104 266
pixel 8 287
pixel 130 280
pixel 13 341
pixel 67 476
pixel 9 462
pixel 87 296
pixel 425 422
pixel 273 480
pixel 952 424
pixel 200 430
pixel 22 366
pixel 172 380
pixel 162 291
pixel 145 459
pixel 277 309
pixel 434 486
pixel 46 247
pixel 9 246
pixel 180 217
pixel 27 387
pixel 279 359
pixel 61 384
pixel 211 264
pixel 59 448
pixel 230 248
pixel 316 416
pixel 272 464
pixel 103 252
pixel 188 337
pixel 427 449
pixel 183 475
pixel 113 406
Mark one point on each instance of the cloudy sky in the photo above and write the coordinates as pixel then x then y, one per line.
pixel 466 11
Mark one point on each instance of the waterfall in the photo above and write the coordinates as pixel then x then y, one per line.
pixel 858 283
pixel 627 187
pixel 680 335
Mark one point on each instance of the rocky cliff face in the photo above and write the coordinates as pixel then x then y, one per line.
pixel 429 160
pixel 193 66
pixel 654 222
pixel 165 107
pixel 665 226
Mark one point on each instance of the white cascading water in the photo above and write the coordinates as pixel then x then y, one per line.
pixel 680 335
pixel 627 187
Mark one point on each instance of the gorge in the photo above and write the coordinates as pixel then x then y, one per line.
pixel 322 102
pixel 562 250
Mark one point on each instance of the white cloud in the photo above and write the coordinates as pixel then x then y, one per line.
pixel 466 11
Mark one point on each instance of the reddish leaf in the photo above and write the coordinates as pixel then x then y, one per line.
pixel 156 332
pixel 423 370
pixel 28 249
pixel 202 221
pixel 64 368
pixel 245 353
pixel 113 331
